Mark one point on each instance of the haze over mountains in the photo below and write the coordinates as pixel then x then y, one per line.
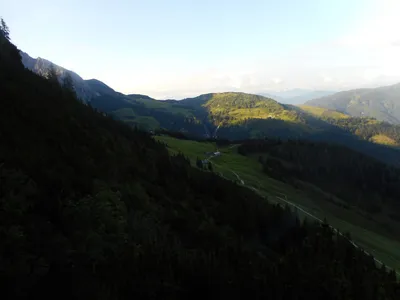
pixel 296 96
pixel 41 66
pixel 382 103
pixel 238 116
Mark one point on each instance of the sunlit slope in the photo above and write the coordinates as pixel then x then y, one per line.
pixel 246 170
pixel 384 140
pixel 321 112
pixel 234 108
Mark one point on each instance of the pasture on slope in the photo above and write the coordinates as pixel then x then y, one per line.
pixel 384 140
pixel 366 232
pixel 321 112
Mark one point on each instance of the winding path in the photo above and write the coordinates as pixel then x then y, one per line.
pixel 334 230
pixel 315 218
pixel 305 212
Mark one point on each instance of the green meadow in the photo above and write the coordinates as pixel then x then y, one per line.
pixel 367 232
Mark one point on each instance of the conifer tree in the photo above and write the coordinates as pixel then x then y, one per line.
pixel 52 74
pixel 4 30
pixel 68 83
pixel 199 163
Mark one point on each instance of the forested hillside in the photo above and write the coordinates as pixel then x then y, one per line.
pixel 232 116
pixel 239 116
pixel 381 103
pixel 136 110
pixel 42 67
pixel 93 209
pixel 146 113
pixel 370 129
pixel 358 179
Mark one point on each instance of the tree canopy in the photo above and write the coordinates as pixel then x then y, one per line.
pixel 91 208
pixel 4 30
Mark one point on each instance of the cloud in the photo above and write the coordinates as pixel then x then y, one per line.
pixel 366 54
pixel 277 80
pixel 396 43
pixel 377 31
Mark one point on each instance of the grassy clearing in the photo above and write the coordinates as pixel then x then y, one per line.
pixel 323 112
pixel 241 106
pixel 125 113
pixel 152 103
pixel 240 114
pixel 159 104
pixel 128 116
pixel 384 140
pixel 367 233
pixel 147 122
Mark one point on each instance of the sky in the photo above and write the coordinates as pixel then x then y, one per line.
pixel 183 48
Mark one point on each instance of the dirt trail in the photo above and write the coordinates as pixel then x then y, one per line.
pixel 333 228
pixel 238 177
pixel 284 199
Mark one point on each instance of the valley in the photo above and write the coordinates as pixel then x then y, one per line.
pixel 238 116
pixel 105 195
pixel 368 232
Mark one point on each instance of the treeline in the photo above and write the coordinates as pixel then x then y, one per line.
pixel 358 179
pixel 164 119
pixel 93 209
pixel 367 128
pixel 187 136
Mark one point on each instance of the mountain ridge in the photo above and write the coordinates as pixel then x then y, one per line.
pixel 232 115
pixel 382 103
pixel 41 67
pixel 296 96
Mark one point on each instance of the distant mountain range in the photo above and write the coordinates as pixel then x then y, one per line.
pixel 239 116
pixel 382 103
pixel 296 96
pixel 87 90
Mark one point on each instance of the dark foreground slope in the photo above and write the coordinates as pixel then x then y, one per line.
pixel 91 209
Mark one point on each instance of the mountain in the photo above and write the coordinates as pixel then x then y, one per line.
pixel 238 115
pixel 94 91
pixel 91 208
pixel 296 96
pixel 41 67
pixel 233 116
pixel 136 110
pixel 272 96
pixel 382 103
pixel 307 96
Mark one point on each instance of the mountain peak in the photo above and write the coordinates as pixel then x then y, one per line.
pixel 41 66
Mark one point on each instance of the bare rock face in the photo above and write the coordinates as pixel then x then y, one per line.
pixel 41 67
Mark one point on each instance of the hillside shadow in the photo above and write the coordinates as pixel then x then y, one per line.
pixel 310 128
pixel 200 125
pixel 334 134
